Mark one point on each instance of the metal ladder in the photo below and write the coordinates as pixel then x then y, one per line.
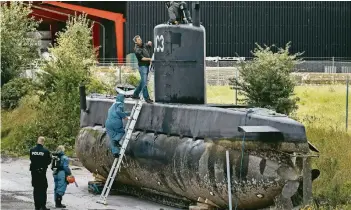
pixel 118 161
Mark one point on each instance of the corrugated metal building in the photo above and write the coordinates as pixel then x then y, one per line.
pixel 320 29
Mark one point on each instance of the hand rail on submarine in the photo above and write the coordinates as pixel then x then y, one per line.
pixel 189 61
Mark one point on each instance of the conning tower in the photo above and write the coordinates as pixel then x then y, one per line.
pixel 179 62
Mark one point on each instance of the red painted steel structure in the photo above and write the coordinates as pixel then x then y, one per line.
pixel 116 17
pixel 61 15
pixel 53 15
pixel 59 12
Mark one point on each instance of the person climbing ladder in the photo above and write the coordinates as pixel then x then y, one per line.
pixel 114 124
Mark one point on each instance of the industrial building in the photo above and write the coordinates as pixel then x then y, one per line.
pixel 319 29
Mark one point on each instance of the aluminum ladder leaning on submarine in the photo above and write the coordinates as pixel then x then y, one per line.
pixel 117 163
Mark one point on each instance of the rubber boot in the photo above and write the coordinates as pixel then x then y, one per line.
pixel 58 203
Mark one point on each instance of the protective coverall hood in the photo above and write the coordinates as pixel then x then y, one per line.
pixel 60 153
pixel 120 99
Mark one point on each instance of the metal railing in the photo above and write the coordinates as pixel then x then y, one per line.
pixel 220 70
pixel 220 73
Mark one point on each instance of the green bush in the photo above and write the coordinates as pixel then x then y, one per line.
pixel 19 44
pixel 22 126
pixel 265 81
pixel 96 86
pixel 103 81
pixel 14 90
pixel 15 124
pixel 132 79
pixel 57 110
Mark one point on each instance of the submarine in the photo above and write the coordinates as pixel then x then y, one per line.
pixel 177 153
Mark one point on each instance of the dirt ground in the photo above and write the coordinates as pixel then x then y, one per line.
pixel 17 191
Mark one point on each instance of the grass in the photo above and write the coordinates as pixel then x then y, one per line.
pixel 318 104
pixel 221 95
pixel 11 120
pixel 323 109
pixel 325 104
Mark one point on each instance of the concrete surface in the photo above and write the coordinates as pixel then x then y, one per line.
pixel 17 191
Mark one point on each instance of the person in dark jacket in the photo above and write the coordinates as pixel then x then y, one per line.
pixel 60 174
pixel 114 124
pixel 178 12
pixel 40 159
pixel 143 53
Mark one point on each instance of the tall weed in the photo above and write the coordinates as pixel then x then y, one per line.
pixel 334 184
pixel 15 123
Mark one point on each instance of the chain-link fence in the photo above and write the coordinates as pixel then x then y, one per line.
pixel 312 71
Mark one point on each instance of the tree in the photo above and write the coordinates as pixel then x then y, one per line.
pixel 71 59
pixel 57 110
pixel 265 81
pixel 18 45
pixel 70 63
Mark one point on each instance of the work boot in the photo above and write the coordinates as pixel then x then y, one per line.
pixel 118 144
pixel 44 208
pixel 135 97
pixel 149 101
pixel 58 203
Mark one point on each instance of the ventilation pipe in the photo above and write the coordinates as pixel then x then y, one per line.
pixel 83 99
pixel 196 13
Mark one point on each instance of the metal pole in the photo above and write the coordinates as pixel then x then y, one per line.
pixel 307 181
pixel 236 89
pixel 347 102
pixel 333 62
pixel 228 178
pixel 217 70
pixel 103 40
pixel 120 74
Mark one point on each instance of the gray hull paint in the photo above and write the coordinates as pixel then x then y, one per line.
pixel 199 121
pixel 191 169
pixel 180 64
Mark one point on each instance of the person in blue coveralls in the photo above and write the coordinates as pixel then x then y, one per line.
pixel 60 167
pixel 178 12
pixel 114 124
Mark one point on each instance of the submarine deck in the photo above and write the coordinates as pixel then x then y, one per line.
pixel 206 121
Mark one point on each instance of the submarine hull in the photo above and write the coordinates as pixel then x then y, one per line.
pixel 178 148
pixel 193 169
